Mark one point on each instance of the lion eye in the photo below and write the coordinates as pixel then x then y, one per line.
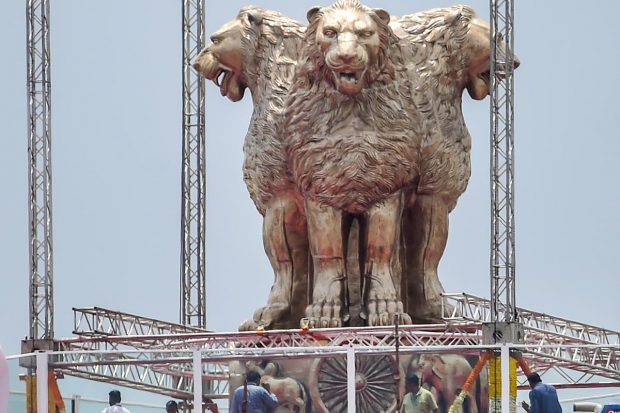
pixel 329 33
pixel 367 34
pixel 215 40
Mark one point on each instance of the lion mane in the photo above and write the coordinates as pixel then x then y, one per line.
pixel 435 48
pixel 349 168
pixel 271 49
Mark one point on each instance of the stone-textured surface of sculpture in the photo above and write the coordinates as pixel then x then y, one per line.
pixel 258 50
pixel 446 51
pixel 372 138
pixel 351 151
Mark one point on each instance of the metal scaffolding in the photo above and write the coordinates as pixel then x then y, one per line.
pixel 40 170
pixel 126 359
pixel 193 308
pixel 102 322
pixel 502 266
pixel 582 355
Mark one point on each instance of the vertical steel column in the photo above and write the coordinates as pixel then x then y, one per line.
pixel 193 274
pixel 42 382
pixel 197 375
pixel 40 170
pixel 351 380
pixel 502 266
pixel 508 405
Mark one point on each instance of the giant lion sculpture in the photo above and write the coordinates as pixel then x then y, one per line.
pixel 352 152
pixel 258 50
pixel 446 51
pixel 420 64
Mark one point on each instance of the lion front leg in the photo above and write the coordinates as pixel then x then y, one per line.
pixel 326 247
pixel 382 290
pixel 285 240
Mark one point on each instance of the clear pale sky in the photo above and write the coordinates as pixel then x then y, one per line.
pixel 116 130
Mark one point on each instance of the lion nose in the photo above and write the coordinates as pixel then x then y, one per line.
pixel 346 58
pixel 347 52
pixel 347 47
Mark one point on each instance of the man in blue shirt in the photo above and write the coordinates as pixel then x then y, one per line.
pixel 259 398
pixel 543 397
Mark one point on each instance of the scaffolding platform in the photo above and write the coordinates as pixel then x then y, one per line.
pixel 156 356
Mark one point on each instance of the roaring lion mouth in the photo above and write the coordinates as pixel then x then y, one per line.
pixel 501 72
pixel 348 77
pixel 348 81
pixel 228 82
pixel 479 85
pixel 220 77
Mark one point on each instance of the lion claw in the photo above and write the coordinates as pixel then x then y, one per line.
pixel 324 315
pixel 383 312
pixel 266 317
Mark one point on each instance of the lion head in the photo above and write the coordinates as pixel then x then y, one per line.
pixel 241 50
pixel 452 46
pixel 346 44
pixel 478 46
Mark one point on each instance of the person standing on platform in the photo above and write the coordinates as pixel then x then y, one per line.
pixel 115 403
pixel 417 399
pixel 253 398
pixel 543 397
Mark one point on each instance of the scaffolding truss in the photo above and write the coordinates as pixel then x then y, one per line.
pixel 554 343
pixel 129 360
pixel 582 355
pixel 102 322
pixel 553 329
pixel 502 266
pixel 193 307
pixel 41 317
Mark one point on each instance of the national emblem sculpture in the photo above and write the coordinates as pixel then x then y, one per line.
pixel 357 123
pixel 258 50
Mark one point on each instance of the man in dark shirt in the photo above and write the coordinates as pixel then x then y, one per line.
pixel 543 397
pixel 259 398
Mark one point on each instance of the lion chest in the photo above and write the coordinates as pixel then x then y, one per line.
pixel 351 165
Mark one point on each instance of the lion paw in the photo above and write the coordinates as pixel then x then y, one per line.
pixel 324 314
pixel 381 311
pixel 248 325
pixel 267 317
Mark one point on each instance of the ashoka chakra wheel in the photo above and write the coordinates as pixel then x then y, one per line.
pixel 376 384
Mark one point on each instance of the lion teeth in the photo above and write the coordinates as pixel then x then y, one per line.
pixel 348 77
pixel 219 78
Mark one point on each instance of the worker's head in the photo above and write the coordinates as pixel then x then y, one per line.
pixel 533 379
pixel 412 383
pixel 172 407
pixel 114 397
pixel 209 404
pixel 253 377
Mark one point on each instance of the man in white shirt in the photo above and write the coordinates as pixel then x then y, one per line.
pixel 417 399
pixel 115 403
